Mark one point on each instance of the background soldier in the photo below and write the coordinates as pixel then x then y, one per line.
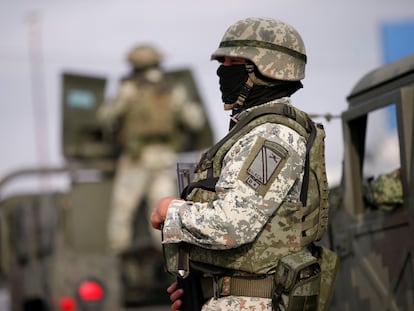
pixel 385 192
pixel 248 223
pixel 149 116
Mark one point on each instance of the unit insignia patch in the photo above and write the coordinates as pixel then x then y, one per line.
pixel 263 165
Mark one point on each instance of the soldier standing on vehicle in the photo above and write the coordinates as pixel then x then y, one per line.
pixel 245 227
pixel 149 115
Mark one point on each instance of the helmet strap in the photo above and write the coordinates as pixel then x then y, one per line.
pixel 245 90
pixel 252 80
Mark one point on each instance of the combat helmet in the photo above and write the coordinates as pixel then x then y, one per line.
pixel 276 48
pixel 143 56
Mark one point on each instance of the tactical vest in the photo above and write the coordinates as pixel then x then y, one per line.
pixel 150 116
pixel 305 221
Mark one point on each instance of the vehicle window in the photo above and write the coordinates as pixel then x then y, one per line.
pixel 382 151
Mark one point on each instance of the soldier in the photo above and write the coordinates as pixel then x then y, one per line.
pixel 150 113
pixel 247 224
pixel 385 191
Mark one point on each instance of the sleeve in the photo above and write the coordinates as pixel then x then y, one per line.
pixel 113 109
pixel 190 112
pixel 259 172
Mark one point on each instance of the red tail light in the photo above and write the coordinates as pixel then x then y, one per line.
pixel 67 303
pixel 91 290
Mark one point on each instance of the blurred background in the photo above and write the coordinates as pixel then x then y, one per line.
pixel 42 39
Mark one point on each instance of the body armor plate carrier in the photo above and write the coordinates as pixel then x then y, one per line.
pixel 306 271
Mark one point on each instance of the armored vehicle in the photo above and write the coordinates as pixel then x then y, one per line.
pixel 53 244
pixel 53 237
pixel 372 215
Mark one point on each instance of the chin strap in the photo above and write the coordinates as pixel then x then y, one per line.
pixel 244 92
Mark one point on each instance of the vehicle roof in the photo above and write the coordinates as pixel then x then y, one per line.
pixel 400 72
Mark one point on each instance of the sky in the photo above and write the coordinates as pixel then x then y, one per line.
pixel 92 37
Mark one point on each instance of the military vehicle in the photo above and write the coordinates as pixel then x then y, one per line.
pixel 53 240
pixel 373 238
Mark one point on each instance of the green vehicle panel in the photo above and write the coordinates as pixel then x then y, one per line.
pixel 52 240
pixel 375 244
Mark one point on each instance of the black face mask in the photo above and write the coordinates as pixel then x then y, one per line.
pixel 232 79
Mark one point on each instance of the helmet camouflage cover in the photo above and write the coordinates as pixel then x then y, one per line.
pixel 275 47
pixel 144 55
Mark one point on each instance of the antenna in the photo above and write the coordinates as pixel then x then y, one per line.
pixel 38 88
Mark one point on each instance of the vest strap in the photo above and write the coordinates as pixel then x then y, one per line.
pixel 278 109
pixel 305 181
pixel 208 184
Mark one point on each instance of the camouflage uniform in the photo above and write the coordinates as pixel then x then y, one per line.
pixel 238 215
pixel 385 191
pixel 150 111
pixel 254 219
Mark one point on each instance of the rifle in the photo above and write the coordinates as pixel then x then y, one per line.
pixel 187 280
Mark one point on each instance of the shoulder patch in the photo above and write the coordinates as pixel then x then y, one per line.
pixel 263 165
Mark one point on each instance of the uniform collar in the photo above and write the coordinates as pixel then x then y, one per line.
pixel 283 100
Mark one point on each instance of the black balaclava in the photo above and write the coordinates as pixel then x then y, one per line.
pixel 233 79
